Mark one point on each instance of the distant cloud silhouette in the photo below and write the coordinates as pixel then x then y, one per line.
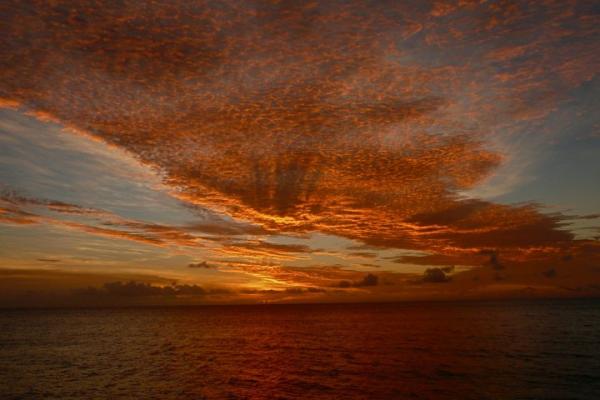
pixel 134 289
pixel 437 275
pixel 368 280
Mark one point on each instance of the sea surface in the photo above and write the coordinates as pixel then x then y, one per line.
pixel 503 350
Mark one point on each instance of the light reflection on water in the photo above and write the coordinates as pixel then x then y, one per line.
pixel 374 351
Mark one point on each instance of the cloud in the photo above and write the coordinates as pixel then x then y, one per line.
pixel 202 264
pixel 11 197
pixel 136 289
pixel 261 248
pixel 344 284
pixel 34 287
pixel 133 288
pixel 23 210
pixel 364 254
pixel 361 120
pixel 437 275
pixel 227 228
pixel 494 259
pixel 367 280
pixel 370 265
pixel 294 290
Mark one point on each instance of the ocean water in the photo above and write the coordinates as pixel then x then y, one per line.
pixel 504 350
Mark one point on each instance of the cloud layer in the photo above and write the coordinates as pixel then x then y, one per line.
pixel 364 121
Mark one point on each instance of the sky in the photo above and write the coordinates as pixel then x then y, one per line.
pixel 199 152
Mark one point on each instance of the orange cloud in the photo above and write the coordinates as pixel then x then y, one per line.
pixel 303 119
pixel 21 210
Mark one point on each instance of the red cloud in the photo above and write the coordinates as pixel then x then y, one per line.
pixel 355 121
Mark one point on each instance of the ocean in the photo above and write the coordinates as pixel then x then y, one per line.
pixel 485 350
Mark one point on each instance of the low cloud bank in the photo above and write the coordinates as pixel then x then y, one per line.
pixel 142 289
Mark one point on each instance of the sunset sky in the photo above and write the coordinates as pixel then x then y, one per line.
pixel 189 152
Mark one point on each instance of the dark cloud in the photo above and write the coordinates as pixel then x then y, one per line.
pixel 189 290
pixel 59 287
pixel 437 275
pixel 344 284
pixel 367 280
pixel 494 261
pixel 135 289
pixel 145 289
pixel 301 290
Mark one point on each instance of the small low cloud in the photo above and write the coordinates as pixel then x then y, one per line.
pixel 368 280
pixel 437 275
pixel 344 284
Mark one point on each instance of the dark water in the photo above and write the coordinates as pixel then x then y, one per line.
pixel 512 350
